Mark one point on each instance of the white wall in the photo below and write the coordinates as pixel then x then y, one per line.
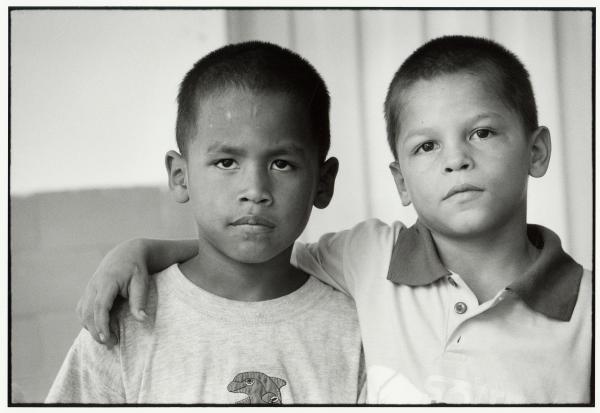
pixel 93 93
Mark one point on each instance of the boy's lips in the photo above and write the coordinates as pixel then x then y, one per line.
pixel 253 220
pixel 458 189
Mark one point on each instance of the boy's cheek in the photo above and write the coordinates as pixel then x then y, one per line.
pixel 418 165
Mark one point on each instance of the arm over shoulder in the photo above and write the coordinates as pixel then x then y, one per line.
pixel 338 258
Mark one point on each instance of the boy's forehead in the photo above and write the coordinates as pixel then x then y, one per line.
pixel 234 117
pixel 232 103
pixel 459 89
pixel 477 79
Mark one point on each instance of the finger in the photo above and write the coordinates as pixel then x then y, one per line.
pixel 103 302
pixel 84 305
pixel 94 333
pixel 79 310
pixel 86 318
pixel 112 340
pixel 138 291
pixel 88 324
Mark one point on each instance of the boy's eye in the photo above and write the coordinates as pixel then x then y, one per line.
pixel 281 165
pixel 226 164
pixel 426 147
pixel 483 133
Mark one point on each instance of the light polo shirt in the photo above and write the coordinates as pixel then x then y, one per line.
pixel 428 340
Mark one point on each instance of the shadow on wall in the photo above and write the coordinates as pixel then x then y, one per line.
pixel 57 241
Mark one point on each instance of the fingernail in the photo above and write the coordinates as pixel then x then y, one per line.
pixel 143 314
pixel 102 338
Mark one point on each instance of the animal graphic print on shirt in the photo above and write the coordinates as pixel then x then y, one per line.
pixel 260 388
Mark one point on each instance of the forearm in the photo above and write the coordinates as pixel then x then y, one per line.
pixel 160 254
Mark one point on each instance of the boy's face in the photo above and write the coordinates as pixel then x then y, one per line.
pixel 463 155
pixel 252 174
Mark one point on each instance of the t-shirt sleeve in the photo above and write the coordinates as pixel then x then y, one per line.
pixel 91 373
pixel 338 258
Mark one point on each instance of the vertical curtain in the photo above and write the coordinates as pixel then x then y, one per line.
pixel 357 52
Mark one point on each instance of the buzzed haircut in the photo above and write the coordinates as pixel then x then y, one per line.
pixel 452 54
pixel 257 67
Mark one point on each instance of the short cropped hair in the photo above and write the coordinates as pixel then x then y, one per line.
pixel 452 54
pixel 257 67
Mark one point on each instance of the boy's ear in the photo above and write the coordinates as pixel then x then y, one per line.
pixel 400 183
pixel 540 150
pixel 327 174
pixel 177 171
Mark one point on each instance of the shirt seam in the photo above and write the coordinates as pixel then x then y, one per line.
pixel 310 301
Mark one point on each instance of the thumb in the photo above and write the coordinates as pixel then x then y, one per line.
pixel 138 292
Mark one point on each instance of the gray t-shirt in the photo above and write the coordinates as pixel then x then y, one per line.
pixel 197 347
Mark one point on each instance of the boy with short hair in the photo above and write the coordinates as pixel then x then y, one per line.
pixel 236 323
pixel 470 304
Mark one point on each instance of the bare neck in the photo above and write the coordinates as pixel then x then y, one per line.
pixel 489 262
pixel 219 274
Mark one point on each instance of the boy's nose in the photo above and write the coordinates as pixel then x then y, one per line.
pixel 457 159
pixel 256 188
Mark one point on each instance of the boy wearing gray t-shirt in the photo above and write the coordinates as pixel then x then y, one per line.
pixel 236 323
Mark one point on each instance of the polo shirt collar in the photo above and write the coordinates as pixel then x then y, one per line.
pixel 550 286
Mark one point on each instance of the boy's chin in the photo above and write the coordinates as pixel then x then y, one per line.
pixel 253 255
pixel 463 226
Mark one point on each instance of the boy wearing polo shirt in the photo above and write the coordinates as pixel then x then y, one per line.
pixel 470 304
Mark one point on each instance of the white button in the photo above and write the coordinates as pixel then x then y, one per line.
pixel 460 307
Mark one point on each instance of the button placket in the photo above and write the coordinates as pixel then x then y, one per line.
pixel 460 309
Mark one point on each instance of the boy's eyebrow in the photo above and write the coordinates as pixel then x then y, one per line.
pixel 285 149
pixel 489 114
pixel 228 149
pixel 419 132
pixel 426 131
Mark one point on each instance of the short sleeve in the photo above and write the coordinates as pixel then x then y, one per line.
pixel 324 259
pixel 339 258
pixel 91 373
